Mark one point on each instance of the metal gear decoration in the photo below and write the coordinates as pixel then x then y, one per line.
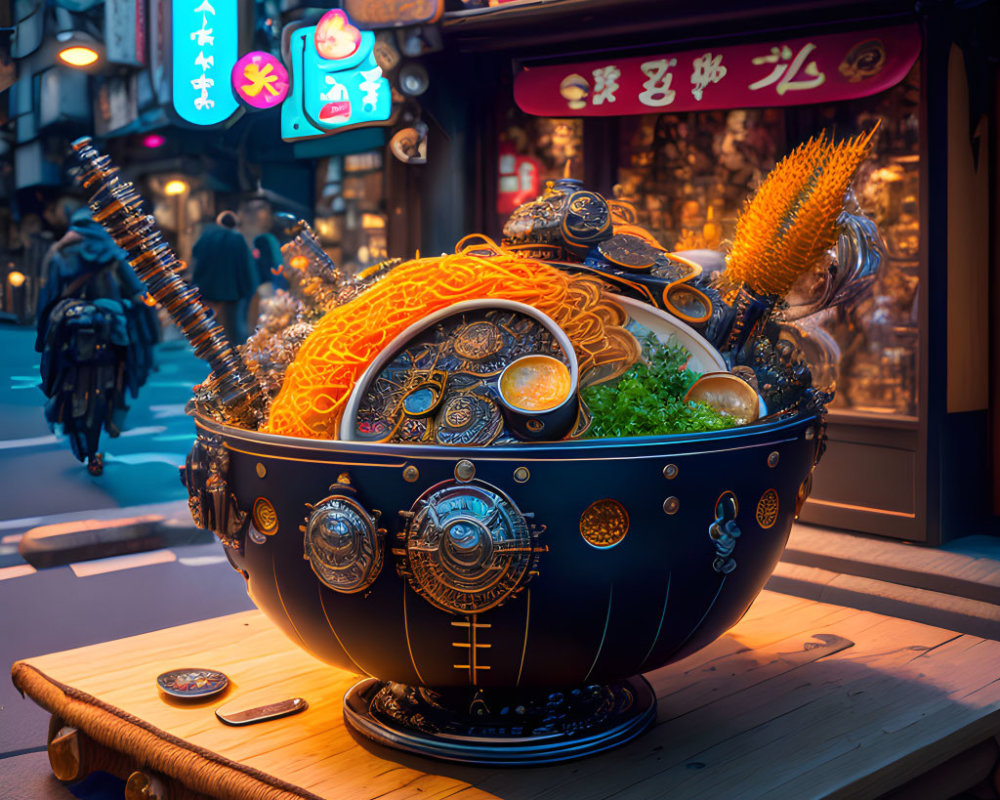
pixel 466 547
pixel 343 544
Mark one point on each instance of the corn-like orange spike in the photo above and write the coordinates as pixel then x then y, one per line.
pixel 792 219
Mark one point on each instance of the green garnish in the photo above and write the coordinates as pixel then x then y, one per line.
pixel 648 400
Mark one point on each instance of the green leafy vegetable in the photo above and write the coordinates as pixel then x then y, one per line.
pixel 648 400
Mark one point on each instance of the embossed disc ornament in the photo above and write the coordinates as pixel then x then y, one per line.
pixel 343 545
pixel 467 548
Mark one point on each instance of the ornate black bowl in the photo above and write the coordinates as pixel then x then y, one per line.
pixel 502 598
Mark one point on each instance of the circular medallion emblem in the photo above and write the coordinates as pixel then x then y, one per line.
pixel 865 60
pixel 767 509
pixel 265 519
pixel 587 218
pixel 468 548
pixel 478 340
pixel 604 523
pixel 342 545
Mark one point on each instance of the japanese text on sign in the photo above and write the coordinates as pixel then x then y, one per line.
pixel 204 51
pixel 808 70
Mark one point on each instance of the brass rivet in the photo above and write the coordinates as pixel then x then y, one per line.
pixel 772 459
pixel 670 471
pixel 410 473
pixel 465 470
pixel 670 505
pixel 810 433
pixel 521 475
pixel 261 469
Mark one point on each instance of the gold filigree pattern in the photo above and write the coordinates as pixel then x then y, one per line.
pixel 265 519
pixel 767 509
pixel 604 523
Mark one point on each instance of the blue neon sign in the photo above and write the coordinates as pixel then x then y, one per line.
pixel 205 47
pixel 335 92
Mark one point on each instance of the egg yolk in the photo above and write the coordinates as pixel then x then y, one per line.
pixel 536 383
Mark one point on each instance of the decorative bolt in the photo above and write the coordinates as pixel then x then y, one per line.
pixel 465 470
pixel 670 471
pixel 261 470
pixel 671 505
pixel 810 433
pixel 773 458
pixel 410 473
pixel 521 475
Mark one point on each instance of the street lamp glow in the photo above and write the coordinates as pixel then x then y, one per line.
pixel 78 56
pixel 15 278
pixel 175 187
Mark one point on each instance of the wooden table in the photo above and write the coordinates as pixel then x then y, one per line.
pixel 799 700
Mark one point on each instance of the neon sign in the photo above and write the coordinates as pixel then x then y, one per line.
pixel 823 68
pixel 260 80
pixel 336 81
pixel 205 46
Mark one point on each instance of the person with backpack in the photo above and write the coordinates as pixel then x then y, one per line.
pixel 95 334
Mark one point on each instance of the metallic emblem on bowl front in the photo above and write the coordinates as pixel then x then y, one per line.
pixel 521 475
pixel 466 548
pixel 343 544
pixel 670 471
pixel 261 470
pixel 767 509
pixel 213 505
pixel 671 505
pixel 724 532
pixel 604 523
pixel 265 519
pixel 773 459
pixel 410 473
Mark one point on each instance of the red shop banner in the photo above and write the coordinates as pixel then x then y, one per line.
pixel 815 69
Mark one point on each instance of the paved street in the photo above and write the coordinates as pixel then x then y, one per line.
pixel 39 473
pixel 83 603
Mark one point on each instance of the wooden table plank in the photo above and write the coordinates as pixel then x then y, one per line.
pixel 800 699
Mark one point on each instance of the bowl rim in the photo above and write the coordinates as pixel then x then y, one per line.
pixel 780 427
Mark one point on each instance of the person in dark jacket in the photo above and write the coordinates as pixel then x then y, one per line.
pixel 225 274
pixel 95 335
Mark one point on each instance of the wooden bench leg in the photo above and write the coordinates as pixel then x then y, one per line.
pixel 68 752
pixel 73 756
pixel 144 786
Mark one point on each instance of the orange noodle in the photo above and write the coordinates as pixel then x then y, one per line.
pixel 327 366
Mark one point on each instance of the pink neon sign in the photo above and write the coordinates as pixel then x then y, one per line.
pixel 260 80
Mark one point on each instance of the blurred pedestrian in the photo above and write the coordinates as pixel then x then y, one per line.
pixel 225 274
pixel 95 335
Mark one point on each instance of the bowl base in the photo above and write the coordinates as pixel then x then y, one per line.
pixel 500 726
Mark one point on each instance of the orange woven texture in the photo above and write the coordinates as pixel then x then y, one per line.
pixel 792 219
pixel 327 366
